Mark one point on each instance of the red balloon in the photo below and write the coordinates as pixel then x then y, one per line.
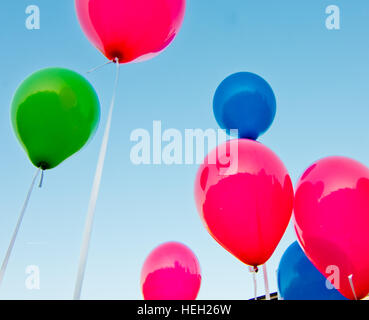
pixel 130 30
pixel 332 221
pixel 244 195
pixel 171 272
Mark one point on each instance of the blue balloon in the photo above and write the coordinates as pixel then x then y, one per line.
pixel 246 102
pixel 298 279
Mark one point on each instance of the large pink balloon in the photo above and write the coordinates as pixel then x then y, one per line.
pixel 332 221
pixel 130 30
pixel 171 272
pixel 244 195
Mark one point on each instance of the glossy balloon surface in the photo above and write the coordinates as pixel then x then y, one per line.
pixel 130 30
pixel 298 279
pixel 246 102
pixel 332 221
pixel 244 195
pixel 54 113
pixel 171 272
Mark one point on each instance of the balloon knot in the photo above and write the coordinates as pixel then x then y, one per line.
pixel 253 269
pixel 116 60
pixel 43 165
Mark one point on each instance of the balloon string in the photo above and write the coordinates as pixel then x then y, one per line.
pixel 15 233
pixel 98 67
pixel 254 271
pixel 352 286
pixel 266 282
pixel 255 286
pixel 94 194
pixel 41 179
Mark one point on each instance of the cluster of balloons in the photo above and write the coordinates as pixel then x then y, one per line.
pixel 243 191
pixel 245 199
pixel 245 202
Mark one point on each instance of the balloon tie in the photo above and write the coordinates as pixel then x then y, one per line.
pixel 94 193
pixel 19 222
pixel 352 286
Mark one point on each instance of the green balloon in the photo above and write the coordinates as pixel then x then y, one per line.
pixel 54 113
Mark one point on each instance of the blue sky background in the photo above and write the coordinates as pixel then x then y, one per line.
pixel 320 79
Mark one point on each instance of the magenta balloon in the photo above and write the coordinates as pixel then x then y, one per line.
pixel 171 272
pixel 244 195
pixel 131 30
pixel 332 221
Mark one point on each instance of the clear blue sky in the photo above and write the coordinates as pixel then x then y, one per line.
pixel 320 79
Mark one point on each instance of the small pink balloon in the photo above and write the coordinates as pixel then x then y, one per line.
pixel 331 218
pixel 171 272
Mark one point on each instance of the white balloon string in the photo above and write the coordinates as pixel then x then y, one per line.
pixel 255 286
pixel 94 194
pixel 98 67
pixel 352 286
pixel 254 270
pixel 266 282
pixel 15 233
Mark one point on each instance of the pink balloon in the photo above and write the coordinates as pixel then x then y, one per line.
pixel 171 272
pixel 332 221
pixel 244 195
pixel 130 30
